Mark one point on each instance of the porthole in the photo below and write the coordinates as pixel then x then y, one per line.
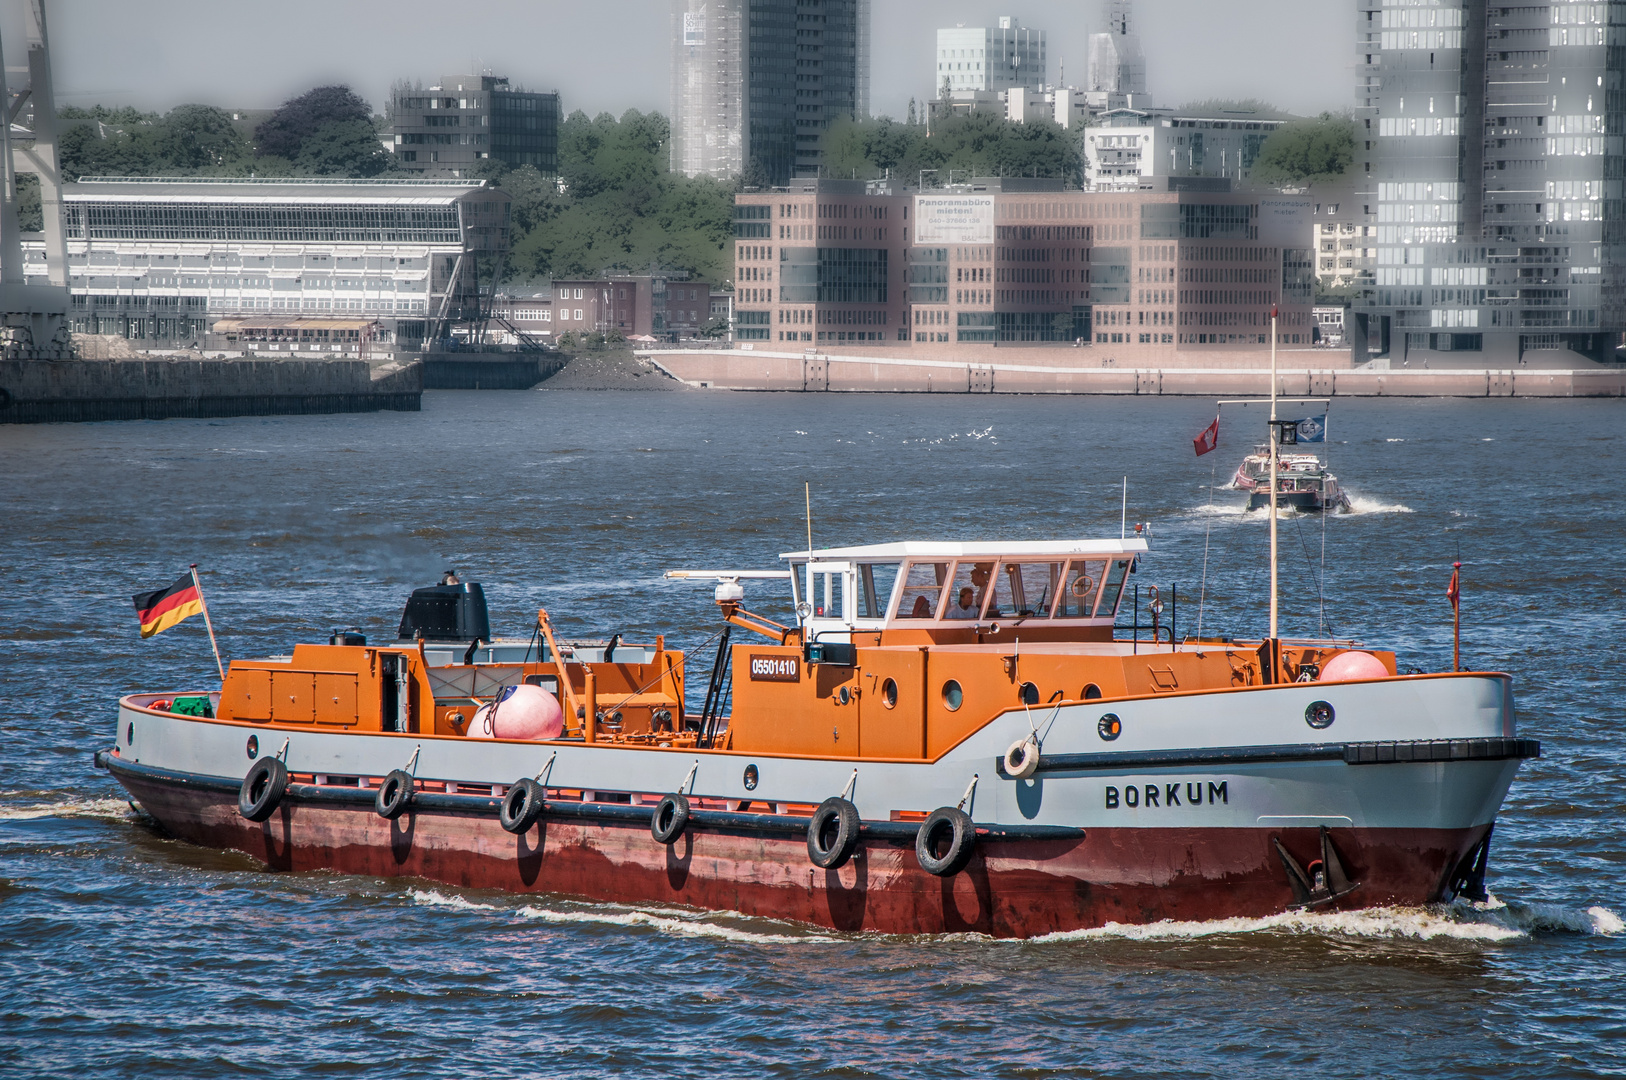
pixel 953 696
pixel 1110 727
pixel 750 778
pixel 844 695
pixel 889 694
pixel 129 734
pixel 1319 714
pixel 1092 692
pixel 253 747
pixel 1028 694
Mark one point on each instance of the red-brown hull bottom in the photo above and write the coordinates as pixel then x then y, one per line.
pixel 1021 888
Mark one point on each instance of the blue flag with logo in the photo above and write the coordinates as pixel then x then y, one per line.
pixel 1313 429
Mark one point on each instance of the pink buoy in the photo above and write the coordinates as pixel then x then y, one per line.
pixel 1353 665
pixel 527 712
pixel 480 724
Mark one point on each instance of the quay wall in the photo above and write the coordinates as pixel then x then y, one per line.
pixel 488 371
pixel 61 391
pixel 740 370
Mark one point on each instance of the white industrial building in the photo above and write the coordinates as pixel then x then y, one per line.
pixel 1129 145
pixel 160 259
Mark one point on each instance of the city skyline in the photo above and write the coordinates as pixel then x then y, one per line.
pixel 168 52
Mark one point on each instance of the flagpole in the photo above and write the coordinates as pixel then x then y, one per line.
pixel 1270 504
pixel 1456 616
pixel 196 584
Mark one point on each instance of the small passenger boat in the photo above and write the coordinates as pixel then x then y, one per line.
pixel 1302 482
pixel 944 737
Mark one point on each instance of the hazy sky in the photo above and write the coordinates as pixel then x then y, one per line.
pixel 614 54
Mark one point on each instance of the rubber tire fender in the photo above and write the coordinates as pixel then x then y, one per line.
pixel 830 852
pixel 1022 759
pixel 670 818
pixel 394 794
pixel 262 789
pixel 522 807
pixel 962 838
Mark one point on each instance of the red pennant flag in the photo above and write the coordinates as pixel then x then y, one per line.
pixel 1453 591
pixel 1208 439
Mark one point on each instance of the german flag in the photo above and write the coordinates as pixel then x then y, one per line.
pixel 163 608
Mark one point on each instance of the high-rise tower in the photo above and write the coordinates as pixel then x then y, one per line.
pixel 1491 140
pixel 756 82
pixel 1117 66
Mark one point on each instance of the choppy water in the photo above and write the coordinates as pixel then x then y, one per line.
pixel 123 953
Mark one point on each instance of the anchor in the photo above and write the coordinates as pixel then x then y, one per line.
pixel 1468 880
pixel 1325 880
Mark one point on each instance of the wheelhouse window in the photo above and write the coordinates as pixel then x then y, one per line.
pixel 968 590
pixel 1078 596
pixel 1024 589
pixel 922 590
pixel 1114 585
pixel 875 581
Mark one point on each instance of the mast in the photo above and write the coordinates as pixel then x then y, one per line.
pixel 1270 505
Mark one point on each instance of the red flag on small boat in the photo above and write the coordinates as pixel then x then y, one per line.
pixel 1208 439
pixel 1453 591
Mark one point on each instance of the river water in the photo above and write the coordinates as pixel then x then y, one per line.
pixel 124 953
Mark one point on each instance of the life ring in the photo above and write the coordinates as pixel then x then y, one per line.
pixel 832 833
pixel 262 789
pixel 670 818
pixel 962 836
pixel 394 794
pixel 1022 759
pixel 1083 585
pixel 522 806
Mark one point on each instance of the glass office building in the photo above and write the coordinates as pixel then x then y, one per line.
pixel 757 82
pixel 1490 140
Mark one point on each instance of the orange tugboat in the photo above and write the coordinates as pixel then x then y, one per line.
pixel 949 737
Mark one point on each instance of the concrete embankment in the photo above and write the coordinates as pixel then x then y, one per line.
pixel 488 371
pixel 1297 374
pixel 58 391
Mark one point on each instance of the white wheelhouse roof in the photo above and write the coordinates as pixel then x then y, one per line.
pixel 944 551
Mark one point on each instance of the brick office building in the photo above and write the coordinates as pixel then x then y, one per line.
pixel 1147 272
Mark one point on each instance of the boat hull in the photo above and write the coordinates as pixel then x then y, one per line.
pixel 1013 886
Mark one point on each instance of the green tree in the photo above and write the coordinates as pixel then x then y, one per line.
pixel 620 209
pixel 284 133
pixel 1307 151
pixel 344 148
pixel 977 144
pixel 198 137
pixel 30 216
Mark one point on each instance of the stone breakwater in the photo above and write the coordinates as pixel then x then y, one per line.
pixel 742 370
pixel 59 391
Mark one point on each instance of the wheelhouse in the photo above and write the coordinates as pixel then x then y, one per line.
pixel 955 590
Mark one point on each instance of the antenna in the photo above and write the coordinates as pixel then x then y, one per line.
pixel 1123 521
pixel 1271 502
pixel 807 495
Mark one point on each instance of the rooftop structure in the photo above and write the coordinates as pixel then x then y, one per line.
pixel 756 82
pixel 446 129
pixel 161 257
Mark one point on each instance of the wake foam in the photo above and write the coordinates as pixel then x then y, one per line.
pixel 672 923
pixel 1360 504
pixel 1492 922
pixel 106 809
